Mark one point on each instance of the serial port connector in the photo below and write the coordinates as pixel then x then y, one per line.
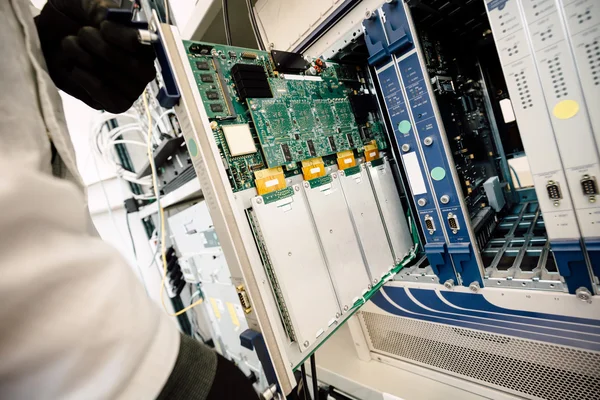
pixel 553 190
pixel 453 222
pixel 429 225
pixel 244 300
pixel 589 185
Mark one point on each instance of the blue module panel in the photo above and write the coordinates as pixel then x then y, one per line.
pixel 400 119
pixel 395 32
pixel 443 183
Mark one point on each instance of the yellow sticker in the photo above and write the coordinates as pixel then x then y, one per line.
pixel 232 314
pixel 215 308
pixel 566 109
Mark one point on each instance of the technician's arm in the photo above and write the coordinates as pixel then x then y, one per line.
pixel 75 322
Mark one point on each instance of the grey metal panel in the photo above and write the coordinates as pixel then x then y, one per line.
pixel 291 240
pixel 367 222
pixel 391 209
pixel 493 191
pixel 229 322
pixel 191 227
pixel 340 243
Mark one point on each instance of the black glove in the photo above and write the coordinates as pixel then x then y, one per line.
pixel 99 62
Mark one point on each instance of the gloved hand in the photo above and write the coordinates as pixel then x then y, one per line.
pixel 99 62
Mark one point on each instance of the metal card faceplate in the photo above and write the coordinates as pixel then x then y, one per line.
pixel 533 119
pixel 340 243
pixel 291 240
pixel 192 229
pixel 391 209
pixel 367 222
pixel 229 322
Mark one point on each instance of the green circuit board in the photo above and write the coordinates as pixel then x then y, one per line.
pixel 304 119
pixel 307 117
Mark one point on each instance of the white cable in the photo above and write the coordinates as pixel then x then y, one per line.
pixel 160 117
pixel 132 142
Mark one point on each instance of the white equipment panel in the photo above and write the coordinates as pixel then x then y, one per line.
pixel 340 244
pixel 299 265
pixel 569 117
pixel 582 19
pixel 534 122
pixel 367 222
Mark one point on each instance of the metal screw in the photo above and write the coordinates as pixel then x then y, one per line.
pixel 296 188
pixel 272 45
pixel 584 294
pixel 405 147
pixel 375 281
pixel 259 200
pixel 331 231
pixel 474 287
pixel 369 14
pixel 369 286
pixel 445 199
pixel 345 308
pixel 428 141
pixel 422 202
pixel 334 176
pixel 449 284
pixel 306 184
pixel 337 315
pixel 290 254
pixel 306 344
pixel 592 199
pixel 556 203
pixel 342 173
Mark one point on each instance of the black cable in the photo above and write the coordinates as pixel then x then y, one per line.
pixel 252 17
pixel 131 238
pixel 313 373
pixel 226 23
pixel 304 382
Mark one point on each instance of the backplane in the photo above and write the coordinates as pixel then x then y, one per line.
pixel 376 166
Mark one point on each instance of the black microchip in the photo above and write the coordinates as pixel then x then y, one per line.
pixel 350 140
pixel 216 107
pixel 296 136
pixel 232 54
pixel 311 148
pixel 332 143
pixel 211 95
pixel 202 65
pixel 286 152
pixel 207 78
pixel 251 81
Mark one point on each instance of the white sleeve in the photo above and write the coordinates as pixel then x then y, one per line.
pixel 75 322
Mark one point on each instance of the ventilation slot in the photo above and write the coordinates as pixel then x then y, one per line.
pixel 523 89
pixel 592 51
pixel 530 369
pixel 558 80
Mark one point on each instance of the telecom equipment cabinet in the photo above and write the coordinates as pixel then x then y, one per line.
pixel 375 161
